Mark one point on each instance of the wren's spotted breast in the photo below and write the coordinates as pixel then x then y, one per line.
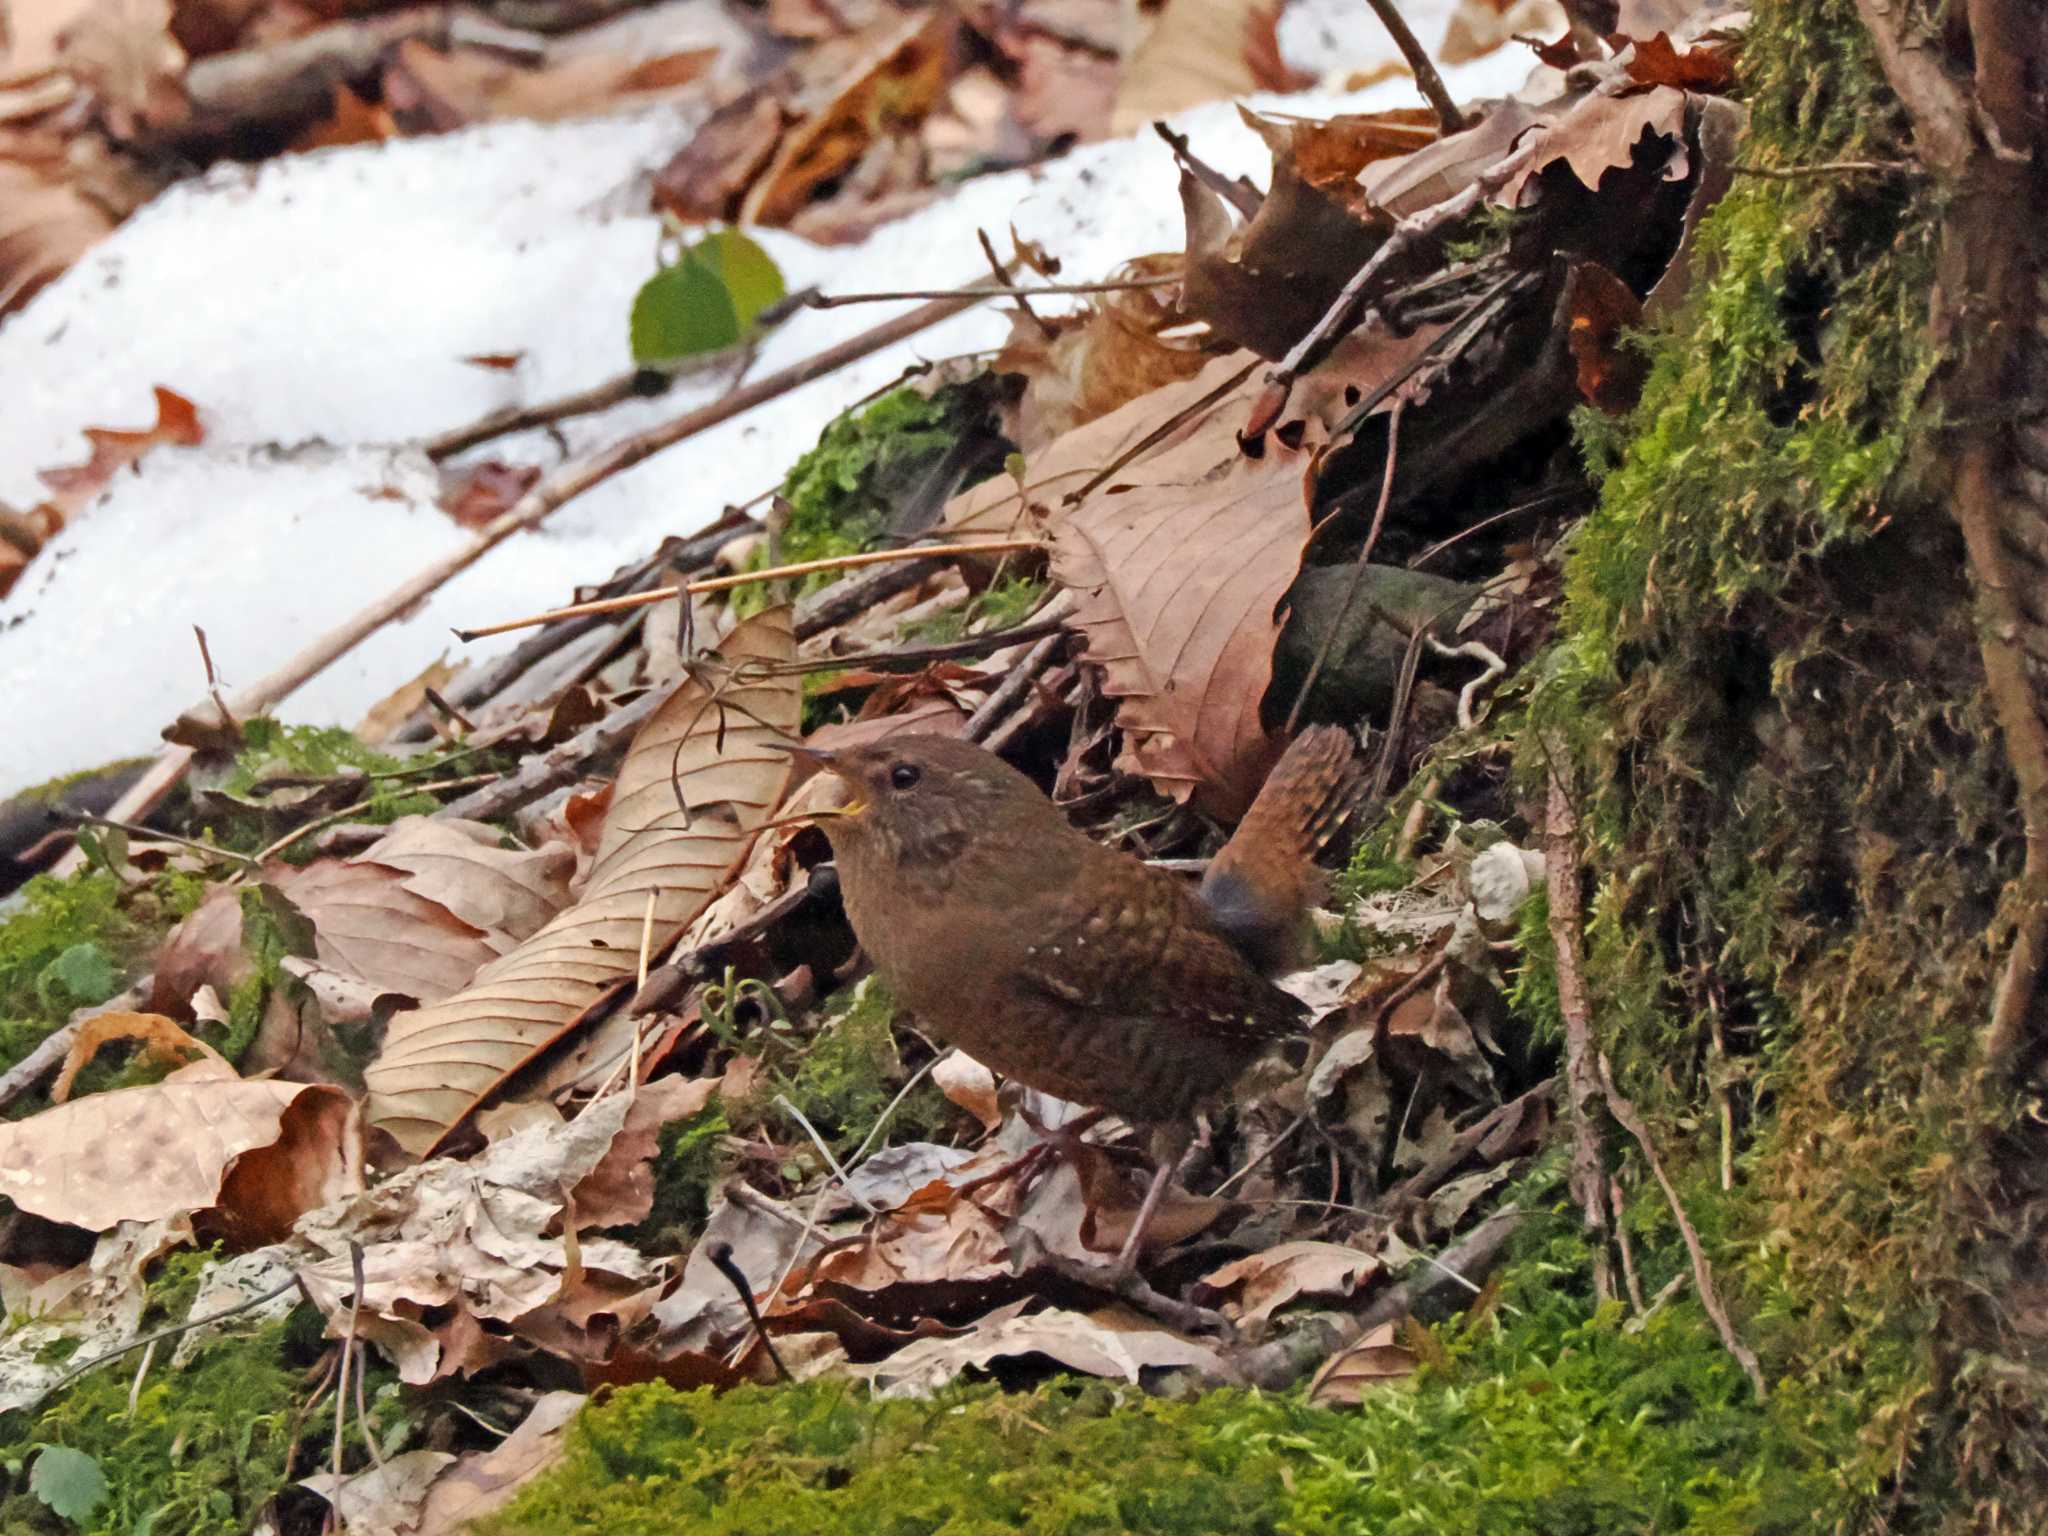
pixel 1072 967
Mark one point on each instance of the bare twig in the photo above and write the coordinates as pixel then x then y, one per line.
pixel 1617 1202
pixel 978 292
pixel 1431 84
pixel 1702 1272
pixel 640 383
pixel 248 1305
pixel 1589 1159
pixel 1013 687
pixel 1493 667
pixel 722 1260
pixel 552 493
pixel 748 578
pixel 1831 168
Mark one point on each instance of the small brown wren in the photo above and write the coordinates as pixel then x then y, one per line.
pixel 1072 967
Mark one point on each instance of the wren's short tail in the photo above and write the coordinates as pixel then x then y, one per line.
pixel 1260 886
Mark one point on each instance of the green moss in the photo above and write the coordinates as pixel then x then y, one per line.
pixel 850 1071
pixel 841 494
pixel 200 1454
pixel 1545 1417
pixel 1000 605
pixel 686 1168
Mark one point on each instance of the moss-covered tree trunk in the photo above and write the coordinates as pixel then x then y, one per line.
pixel 1799 672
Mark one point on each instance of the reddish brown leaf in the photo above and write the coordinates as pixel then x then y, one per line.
pixel 709 175
pixel 349 120
pixel 1177 584
pixel 477 493
pixel 114 449
pixel 498 362
pixel 1602 307
pixel 1656 62
pixel 1269 71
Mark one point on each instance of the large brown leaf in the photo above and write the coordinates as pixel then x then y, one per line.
pixel 1177 584
pixel 262 1152
pixel 714 743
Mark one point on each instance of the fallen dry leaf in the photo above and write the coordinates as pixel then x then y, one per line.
pixel 706 179
pixel 1599 134
pixel 508 893
pixel 1602 307
pixel 970 1085
pixel 483 1481
pixel 46 223
pixel 123 50
pixel 1253 1288
pixel 449 1247
pixel 114 449
pixel 162 1037
pixel 1372 1361
pixel 714 744
pixel 1478 27
pixel 900 81
pixel 1113 1343
pixel 476 493
pixel 385 1498
pixel 349 120
pixel 1196 51
pixel 431 91
pixel 1710 71
pixel 1177 583
pixel 170 1149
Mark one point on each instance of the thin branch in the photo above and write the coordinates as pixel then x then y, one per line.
pixel 1589 1157
pixel 1431 84
pixel 1702 1272
pixel 977 293
pixel 655 595
pixel 1831 168
pixel 640 383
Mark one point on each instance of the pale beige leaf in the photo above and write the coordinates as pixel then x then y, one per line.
pixel 970 1085
pixel 1195 52
pixel 1177 586
pixel 367 925
pixel 124 50
pixel 1110 1343
pixel 140 1154
pixel 383 1499
pixel 45 225
pixel 1252 1288
pixel 460 865
pixel 1600 134
pixel 716 741
pixel 482 1481
pixel 1373 1361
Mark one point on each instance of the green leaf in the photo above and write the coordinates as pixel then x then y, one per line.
pixel 750 273
pixel 84 974
pixel 681 312
pixel 69 1481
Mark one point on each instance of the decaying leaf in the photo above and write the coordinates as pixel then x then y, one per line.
pixel 1372 1361
pixel 701 776
pixel 1253 1288
pixel 1602 307
pixel 202 1139
pixel 162 1038
pixel 462 866
pixel 1113 1343
pixel 385 1498
pixel 114 449
pixel 482 1481
pixel 970 1085
pixel 1196 51
pixel 1600 134
pixel 449 1247
pixel 899 83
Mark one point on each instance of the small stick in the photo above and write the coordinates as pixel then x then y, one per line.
pixel 1012 688
pixel 826 1152
pixel 995 265
pixel 1618 1204
pixel 747 578
pixel 355 1264
pixel 722 1260
pixel 1449 119
pixel 174 1329
pixel 1589 1157
pixel 1702 1272
pixel 1831 168
pixel 282 843
pixel 987 291
pixel 643 384
pixel 151 834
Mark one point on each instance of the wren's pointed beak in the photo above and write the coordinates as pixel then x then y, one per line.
pixel 824 762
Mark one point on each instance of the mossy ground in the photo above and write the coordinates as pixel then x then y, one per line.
pixel 1543 1415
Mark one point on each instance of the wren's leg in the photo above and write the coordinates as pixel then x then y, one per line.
pixel 1170 1145
pixel 1127 1260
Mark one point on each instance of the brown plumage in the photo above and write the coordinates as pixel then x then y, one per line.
pixel 1067 965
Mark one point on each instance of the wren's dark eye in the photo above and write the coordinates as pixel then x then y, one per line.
pixel 905 776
